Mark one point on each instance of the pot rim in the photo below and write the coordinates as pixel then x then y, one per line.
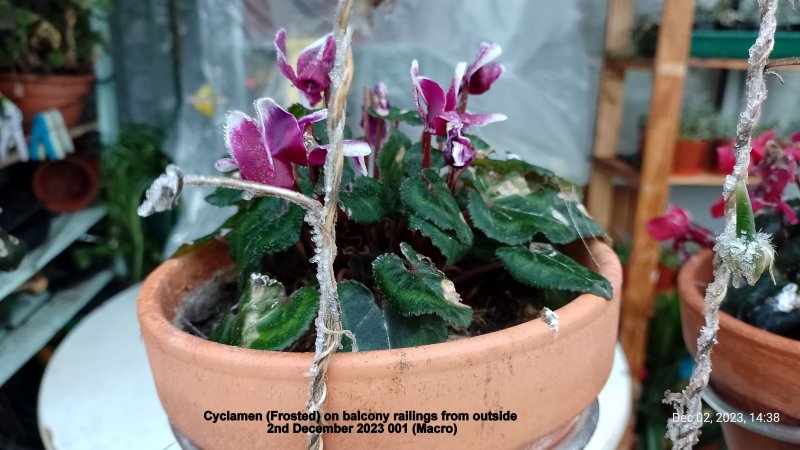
pixel 573 316
pixel 691 297
pixel 61 78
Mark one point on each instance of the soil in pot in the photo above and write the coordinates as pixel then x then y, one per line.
pixel 753 370
pixel 690 158
pixel 36 93
pixel 546 379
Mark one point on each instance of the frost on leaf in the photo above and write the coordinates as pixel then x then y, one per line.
pixel 163 194
pixel 746 256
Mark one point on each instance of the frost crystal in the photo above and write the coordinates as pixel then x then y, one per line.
pixel 747 257
pixel 550 318
pixel 787 299
pixel 163 194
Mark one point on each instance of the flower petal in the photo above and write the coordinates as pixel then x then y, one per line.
pixel 283 63
pixel 315 63
pixel 316 157
pixel 226 164
pixel 356 148
pixel 479 120
pixel 284 176
pixel 455 85
pixel 725 158
pixel 431 94
pixel 487 52
pixel 674 224
pixel 718 208
pixel 483 78
pixel 282 135
pixel 246 145
pixel 316 116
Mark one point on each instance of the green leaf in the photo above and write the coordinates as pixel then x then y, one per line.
pixel 269 226
pixel 430 198
pixel 413 331
pixel 398 115
pixel 412 160
pixel 543 266
pixel 362 316
pixel 391 168
pixel 452 249
pixel 265 319
pixel 224 197
pixel 515 220
pixel 570 208
pixel 363 203
pixel 512 165
pixel 415 286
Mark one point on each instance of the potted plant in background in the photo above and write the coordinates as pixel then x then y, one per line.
pixel 758 355
pixel 692 146
pixel 46 55
pixel 448 269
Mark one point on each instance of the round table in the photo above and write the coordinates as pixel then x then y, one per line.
pixel 97 391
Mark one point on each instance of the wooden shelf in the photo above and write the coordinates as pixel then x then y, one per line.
pixel 701 179
pixel 619 169
pixel 639 63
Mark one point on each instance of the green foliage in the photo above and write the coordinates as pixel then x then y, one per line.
pixel 264 319
pixel 222 197
pixel 38 37
pixel 414 286
pixel 126 170
pixel 362 316
pixel 270 225
pixel 431 199
pixel 541 265
pixel 364 202
pixel 451 247
pixel 410 117
pixel 391 168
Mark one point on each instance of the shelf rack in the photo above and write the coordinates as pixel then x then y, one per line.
pixel 19 344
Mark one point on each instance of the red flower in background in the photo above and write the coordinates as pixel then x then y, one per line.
pixel 677 225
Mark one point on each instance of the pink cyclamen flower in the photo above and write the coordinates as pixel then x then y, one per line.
pixel 482 72
pixel 726 154
pixel 677 225
pixel 313 65
pixel 376 99
pixel 437 110
pixel 264 148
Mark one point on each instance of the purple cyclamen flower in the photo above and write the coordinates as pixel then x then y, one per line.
pixel 313 65
pixel 482 72
pixel 264 148
pixel 375 99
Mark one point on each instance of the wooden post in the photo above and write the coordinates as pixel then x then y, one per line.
pixel 609 110
pixel 671 64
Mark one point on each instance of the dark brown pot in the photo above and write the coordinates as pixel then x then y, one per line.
pixel 752 369
pixel 67 185
pixel 36 93
pixel 690 158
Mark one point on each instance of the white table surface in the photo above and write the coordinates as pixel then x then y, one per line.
pixel 97 391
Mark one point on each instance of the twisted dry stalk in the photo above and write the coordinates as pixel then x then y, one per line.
pixel 328 322
pixel 684 433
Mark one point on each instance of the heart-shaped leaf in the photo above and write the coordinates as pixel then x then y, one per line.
pixel 445 241
pixel 543 266
pixel 414 286
pixel 362 316
pixel 412 160
pixel 363 203
pixel 264 319
pixel 431 199
pixel 413 331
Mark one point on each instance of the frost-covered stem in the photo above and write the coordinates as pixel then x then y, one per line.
pixel 426 150
pixel 684 433
pixel 328 322
pixel 258 189
pixel 463 95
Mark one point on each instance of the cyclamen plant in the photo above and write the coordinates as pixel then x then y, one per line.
pixel 405 243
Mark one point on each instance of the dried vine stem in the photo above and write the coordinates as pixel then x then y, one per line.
pixel 257 189
pixel 684 433
pixel 328 322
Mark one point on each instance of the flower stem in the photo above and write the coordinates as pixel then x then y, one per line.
pixel 426 150
pixel 463 95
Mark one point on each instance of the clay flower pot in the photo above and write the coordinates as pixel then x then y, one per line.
pixel 753 370
pixel 36 93
pixel 690 158
pixel 546 379
pixel 66 185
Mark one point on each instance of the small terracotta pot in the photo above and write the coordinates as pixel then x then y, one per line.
pixel 36 93
pixel 66 185
pixel 690 158
pixel 752 369
pixel 545 378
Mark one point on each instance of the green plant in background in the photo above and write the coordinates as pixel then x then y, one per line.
pixel 126 168
pixel 698 122
pixel 46 36
pixel 645 35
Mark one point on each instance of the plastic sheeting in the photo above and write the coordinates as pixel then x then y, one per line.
pixel 551 51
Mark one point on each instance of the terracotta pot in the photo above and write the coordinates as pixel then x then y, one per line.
pixel 752 369
pixel 667 276
pixel 36 93
pixel 690 158
pixel 66 185
pixel 546 379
